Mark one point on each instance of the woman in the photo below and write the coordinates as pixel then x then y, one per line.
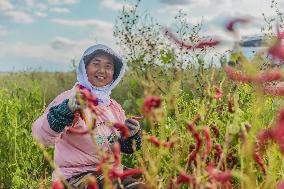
pixel 100 70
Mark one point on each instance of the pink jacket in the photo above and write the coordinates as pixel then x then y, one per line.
pixel 75 153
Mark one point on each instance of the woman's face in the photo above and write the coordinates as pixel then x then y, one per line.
pixel 100 70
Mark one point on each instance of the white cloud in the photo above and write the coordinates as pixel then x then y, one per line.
pixel 216 15
pixel 20 49
pixel 221 13
pixel 19 17
pixel 112 4
pixel 30 3
pixel 173 6
pixel 14 13
pixel 6 5
pixel 59 10
pixel 85 23
pixel 99 30
pixel 54 56
pixel 41 7
pixel 175 2
pixel 63 43
pixel 192 2
pixel 60 51
pixel 40 14
pixel 3 31
pixel 57 2
pixel 45 52
pixel 214 7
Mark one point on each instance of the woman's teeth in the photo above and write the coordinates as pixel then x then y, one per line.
pixel 100 77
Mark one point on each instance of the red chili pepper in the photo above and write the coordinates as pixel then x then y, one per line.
pixel 232 23
pixel 218 153
pixel 230 105
pixel 169 144
pixel 154 140
pixel 57 185
pixel 91 103
pixel 104 158
pixel 204 44
pixel 275 91
pixel 200 45
pixel 268 76
pixel 278 130
pixel 116 154
pixel 184 178
pixel 86 93
pixel 237 76
pixel 280 185
pixel 275 134
pixel 192 156
pixel 220 176
pixel 218 93
pixel 215 131
pixel 75 130
pixel 259 161
pixel 170 183
pixel 277 50
pixel 208 142
pixel 122 128
pixel 115 174
pixel 151 103
pixel 93 186
pixel 136 117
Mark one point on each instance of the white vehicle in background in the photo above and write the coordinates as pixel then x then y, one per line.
pixel 251 46
pixel 258 45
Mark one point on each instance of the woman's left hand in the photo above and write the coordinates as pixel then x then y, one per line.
pixel 133 126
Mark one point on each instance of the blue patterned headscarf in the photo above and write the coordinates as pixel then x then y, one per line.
pixel 102 93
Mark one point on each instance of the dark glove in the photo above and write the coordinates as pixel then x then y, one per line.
pixel 60 116
pixel 133 126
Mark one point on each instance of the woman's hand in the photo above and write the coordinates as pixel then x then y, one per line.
pixel 73 104
pixel 133 126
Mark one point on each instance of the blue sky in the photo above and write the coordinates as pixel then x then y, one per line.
pixel 48 34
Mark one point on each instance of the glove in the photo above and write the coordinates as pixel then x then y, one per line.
pixel 73 104
pixel 133 126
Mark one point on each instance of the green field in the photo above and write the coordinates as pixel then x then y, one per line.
pixel 217 127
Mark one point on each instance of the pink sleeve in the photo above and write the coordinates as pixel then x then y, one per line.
pixel 41 130
pixel 120 111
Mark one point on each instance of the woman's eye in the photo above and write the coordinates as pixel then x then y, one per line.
pixel 109 66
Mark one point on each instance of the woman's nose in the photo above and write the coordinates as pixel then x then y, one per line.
pixel 101 69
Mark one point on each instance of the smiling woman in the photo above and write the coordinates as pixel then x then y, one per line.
pixel 77 156
pixel 100 69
